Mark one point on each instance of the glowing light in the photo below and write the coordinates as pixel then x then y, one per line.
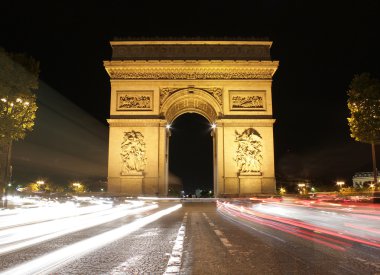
pixel 13 239
pixel 18 100
pixel 340 183
pixel 26 103
pixel 40 182
pixel 168 126
pixel 293 219
pixel 213 125
pixel 3 100
pixel 49 262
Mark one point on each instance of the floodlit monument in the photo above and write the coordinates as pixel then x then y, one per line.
pixel 227 82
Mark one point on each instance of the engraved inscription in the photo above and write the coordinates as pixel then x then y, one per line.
pixel 134 100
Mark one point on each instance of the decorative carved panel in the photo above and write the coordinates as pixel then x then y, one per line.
pixel 247 100
pixel 191 104
pixel 133 153
pixel 248 152
pixel 134 100
pixel 189 73
pixel 215 92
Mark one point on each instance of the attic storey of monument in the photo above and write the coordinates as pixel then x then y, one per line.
pixel 227 82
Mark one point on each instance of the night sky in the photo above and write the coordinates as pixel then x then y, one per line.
pixel 320 46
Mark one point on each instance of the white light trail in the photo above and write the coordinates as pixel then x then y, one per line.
pixel 13 239
pixel 42 214
pixel 49 262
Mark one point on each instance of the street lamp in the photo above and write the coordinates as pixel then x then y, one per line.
pixel 302 188
pixel 340 184
pixel 78 187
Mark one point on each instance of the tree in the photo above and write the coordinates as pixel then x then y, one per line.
pixel 18 80
pixel 364 105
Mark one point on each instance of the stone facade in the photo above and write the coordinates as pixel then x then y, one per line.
pixel 151 91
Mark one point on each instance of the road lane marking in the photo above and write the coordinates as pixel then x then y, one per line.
pixel 226 242
pixel 208 220
pixel 218 232
pixel 220 235
pixel 175 260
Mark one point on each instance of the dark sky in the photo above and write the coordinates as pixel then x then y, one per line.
pixel 320 46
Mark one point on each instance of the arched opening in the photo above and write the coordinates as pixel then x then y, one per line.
pixel 191 156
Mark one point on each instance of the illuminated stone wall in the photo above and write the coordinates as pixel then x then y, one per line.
pixel 233 94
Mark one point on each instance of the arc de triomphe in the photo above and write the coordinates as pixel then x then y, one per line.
pixel 227 82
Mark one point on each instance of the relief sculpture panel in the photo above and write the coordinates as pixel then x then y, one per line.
pixel 133 153
pixel 134 100
pixel 247 100
pixel 248 152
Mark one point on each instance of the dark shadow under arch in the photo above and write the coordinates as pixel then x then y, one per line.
pixel 190 152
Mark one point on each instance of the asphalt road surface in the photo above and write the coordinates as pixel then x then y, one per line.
pixel 189 238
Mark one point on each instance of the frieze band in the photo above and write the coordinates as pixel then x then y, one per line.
pixel 193 73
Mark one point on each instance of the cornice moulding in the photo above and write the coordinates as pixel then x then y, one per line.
pixel 183 42
pixel 197 69
pixel 136 123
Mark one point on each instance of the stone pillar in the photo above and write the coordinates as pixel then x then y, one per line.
pixel 250 183
pixel 132 185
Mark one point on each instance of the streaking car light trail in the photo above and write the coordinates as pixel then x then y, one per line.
pixel 52 261
pixel 338 238
pixel 19 217
pixel 15 238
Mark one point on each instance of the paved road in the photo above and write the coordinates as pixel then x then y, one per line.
pixel 197 238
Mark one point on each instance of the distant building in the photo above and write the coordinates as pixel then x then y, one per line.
pixel 363 179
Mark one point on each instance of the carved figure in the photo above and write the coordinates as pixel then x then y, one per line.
pixel 247 102
pixel 133 153
pixel 248 154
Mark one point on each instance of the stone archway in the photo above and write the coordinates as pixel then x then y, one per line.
pixel 227 82
pixel 191 156
pixel 203 101
pixel 188 100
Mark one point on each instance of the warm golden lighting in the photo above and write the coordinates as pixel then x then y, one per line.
pixel 340 183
